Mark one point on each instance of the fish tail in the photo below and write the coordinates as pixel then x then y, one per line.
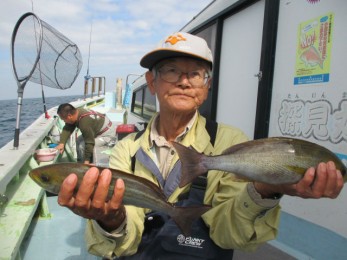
pixel 192 164
pixel 185 216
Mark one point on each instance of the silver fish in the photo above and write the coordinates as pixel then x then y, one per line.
pixel 139 191
pixel 276 160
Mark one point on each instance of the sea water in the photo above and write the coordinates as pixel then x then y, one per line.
pixel 32 108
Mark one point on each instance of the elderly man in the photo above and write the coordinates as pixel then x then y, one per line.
pixel 242 215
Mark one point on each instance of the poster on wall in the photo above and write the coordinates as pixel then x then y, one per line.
pixel 313 50
pixel 311 103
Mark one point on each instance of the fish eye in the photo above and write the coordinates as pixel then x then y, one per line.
pixel 44 178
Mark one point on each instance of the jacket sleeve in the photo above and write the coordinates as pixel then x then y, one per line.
pixel 67 131
pixel 237 220
pixel 127 244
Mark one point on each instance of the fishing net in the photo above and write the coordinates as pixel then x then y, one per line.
pixel 43 55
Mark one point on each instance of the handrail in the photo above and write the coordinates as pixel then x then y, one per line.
pixel 100 80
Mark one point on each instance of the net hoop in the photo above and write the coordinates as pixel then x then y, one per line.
pixel 22 81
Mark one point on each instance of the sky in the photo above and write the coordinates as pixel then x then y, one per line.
pixel 122 31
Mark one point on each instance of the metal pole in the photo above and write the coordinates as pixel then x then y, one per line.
pixel 100 86
pixel 85 87
pixel 93 85
pixel 19 110
pixel 44 104
pixel 104 86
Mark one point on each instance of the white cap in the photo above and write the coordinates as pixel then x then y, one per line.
pixel 179 44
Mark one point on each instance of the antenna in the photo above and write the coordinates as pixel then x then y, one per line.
pixel 87 76
pixel 90 41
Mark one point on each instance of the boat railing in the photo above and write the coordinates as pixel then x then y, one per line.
pixel 20 196
pixel 98 83
pixel 12 160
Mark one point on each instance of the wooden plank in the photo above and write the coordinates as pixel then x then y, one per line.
pixel 17 216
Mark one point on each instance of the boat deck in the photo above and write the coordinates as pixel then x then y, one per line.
pixel 62 237
pixel 58 237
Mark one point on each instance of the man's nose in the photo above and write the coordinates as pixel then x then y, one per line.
pixel 183 80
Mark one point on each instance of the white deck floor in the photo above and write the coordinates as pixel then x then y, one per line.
pixel 60 237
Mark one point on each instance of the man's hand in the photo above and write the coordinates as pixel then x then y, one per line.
pixel 90 200
pixel 325 181
pixel 60 148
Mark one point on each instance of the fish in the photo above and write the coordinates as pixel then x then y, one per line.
pixel 274 160
pixel 139 191
pixel 311 57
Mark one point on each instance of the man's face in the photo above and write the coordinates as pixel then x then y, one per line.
pixel 69 119
pixel 185 95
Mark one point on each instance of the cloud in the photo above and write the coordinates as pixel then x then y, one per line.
pixel 122 32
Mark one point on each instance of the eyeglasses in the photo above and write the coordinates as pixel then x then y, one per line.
pixel 198 78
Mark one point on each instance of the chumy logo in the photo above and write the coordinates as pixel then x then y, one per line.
pixel 190 241
pixel 173 39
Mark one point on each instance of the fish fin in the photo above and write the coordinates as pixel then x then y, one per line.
pixel 192 165
pixel 237 147
pixel 185 216
pixel 259 145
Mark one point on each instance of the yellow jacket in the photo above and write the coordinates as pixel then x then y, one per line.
pixel 235 220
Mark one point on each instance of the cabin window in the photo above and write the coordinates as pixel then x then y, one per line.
pixel 148 104
pixel 137 102
pixel 144 103
pixel 209 34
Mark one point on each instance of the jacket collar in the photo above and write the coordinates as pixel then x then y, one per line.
pixel 196 136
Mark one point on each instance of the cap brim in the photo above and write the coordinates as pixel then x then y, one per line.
pixel 152 58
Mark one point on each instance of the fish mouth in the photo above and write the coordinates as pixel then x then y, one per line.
pixel 34 176
pixel 44 181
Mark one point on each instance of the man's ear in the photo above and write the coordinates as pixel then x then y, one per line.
pixel 150 81
pixel 209 82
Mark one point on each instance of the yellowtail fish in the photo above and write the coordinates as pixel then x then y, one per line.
pixel 139 191
pixel 276 160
